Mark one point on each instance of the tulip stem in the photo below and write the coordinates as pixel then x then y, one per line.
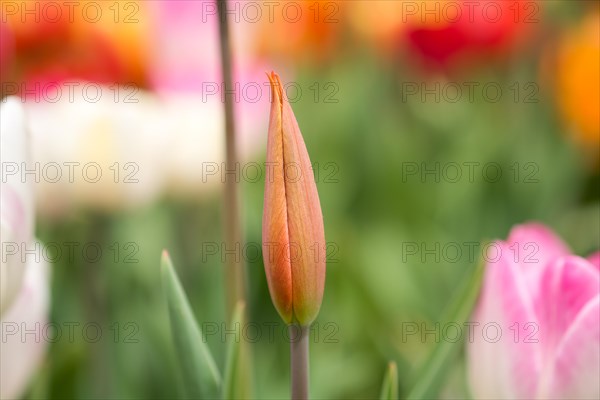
pixel 234 268
pixel 299 338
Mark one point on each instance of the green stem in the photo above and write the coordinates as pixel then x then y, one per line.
pixel 94 291
pixel 234 268
pixel 299 338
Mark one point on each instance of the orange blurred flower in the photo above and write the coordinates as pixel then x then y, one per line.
pixel 577 77
pixel 6 49
pixel 84 41
pixel 296 31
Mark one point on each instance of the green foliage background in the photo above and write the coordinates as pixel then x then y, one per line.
pixel 371 211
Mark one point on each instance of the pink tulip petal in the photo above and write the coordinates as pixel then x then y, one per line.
pixel 546 246
pixel 594 259
pixel 546 300
pixel 533 246
pixel 576 367
pixel 504 369
pixel 567 285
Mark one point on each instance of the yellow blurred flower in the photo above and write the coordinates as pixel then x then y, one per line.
pixel 379 22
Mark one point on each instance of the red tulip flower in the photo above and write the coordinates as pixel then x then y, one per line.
pixel 461 33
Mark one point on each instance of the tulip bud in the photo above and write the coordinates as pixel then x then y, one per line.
pixel 293 233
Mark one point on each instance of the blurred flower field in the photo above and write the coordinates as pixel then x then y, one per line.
pixel 429 135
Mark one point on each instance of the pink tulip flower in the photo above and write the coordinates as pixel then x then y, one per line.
pixel 539 321
pixel 24 291
pixel 186 71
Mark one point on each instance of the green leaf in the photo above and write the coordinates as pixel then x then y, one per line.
pixel 236 383
pixel 389 389
pixel 433 373
pixel 200 374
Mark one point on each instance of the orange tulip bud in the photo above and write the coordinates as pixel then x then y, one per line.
pixel 293 233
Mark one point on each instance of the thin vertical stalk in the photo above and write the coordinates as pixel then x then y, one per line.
pixel 299 338
pixel 234 267
pixel 94 291
pixel 235 275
